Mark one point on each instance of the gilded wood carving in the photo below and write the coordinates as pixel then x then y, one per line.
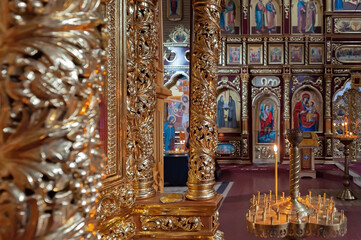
pixel 203 129
pixel 51 159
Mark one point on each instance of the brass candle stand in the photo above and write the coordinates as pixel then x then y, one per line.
pixel 346 193
pixel 294 217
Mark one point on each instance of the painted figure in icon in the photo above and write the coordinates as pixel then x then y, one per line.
pixel 301 16
pixel 232 117
pixel 310 17
pixel 338 4
pixel 220 113
pixel 266 124
pixel 169 134
pixel 185 114
pixel 173 7
pixel 270 16
pixel 305 116
pixel 231 16
pixel 222 16
pixel 259 15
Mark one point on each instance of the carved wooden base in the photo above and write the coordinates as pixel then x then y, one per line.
pixel 179 220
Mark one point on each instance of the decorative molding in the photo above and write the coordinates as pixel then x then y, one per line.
pixel 265 52
pixel 328 51
pixel 297 39
pixel 319 152
pixel 328 95
pixel 287 10
pixel 228 70
pixel 245 147
pixel 341 70
pixel 308 70
pixel 329 147
pixel 245 9
pixel 316 39
pixel 286 86
pixel 286 52
pixel 237 147
pixel 215 220
pixel 307 81
pixel 170 223
pixel 264 152
pixel 255 39
pixel 234 39
pixel 267 91
pixel 51 156
pixel 265 71
pixel 335 46
pixel 275 39
pixel 338 81
pixel 203 100
pixel 186 67
pixel 329 24
pixel 245 82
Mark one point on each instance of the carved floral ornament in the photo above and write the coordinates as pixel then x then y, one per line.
pixel 51 65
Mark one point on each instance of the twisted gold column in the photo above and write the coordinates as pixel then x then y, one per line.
pixel 142 52
pixel 295 138
pixel 204 77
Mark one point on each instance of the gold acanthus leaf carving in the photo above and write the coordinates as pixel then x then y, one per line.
pixel 117 228
pixel 51 158
pixel 141 94
pixel 203 129
pixel 171 223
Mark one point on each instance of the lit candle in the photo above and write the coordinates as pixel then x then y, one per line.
pixel 346 128
pixel 334 128
pixel 276 173
pixel 343 128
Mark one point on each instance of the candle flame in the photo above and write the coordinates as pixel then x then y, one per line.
pixel 275 148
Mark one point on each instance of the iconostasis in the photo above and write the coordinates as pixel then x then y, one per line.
pixel 282 65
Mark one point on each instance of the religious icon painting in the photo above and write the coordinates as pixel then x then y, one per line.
pixel 296 54
pixel 275 54
pixel 174 10
pixel 307 111
pixel 266 16
pixel 347 25
pixel 230 17
pixel 234 54
pixel 266 127
pixel 255 54
pixel 315 54
pixel 349 54
pixel 307 16
pixel 346 5
pixel 228 111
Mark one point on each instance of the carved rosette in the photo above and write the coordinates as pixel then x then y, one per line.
pixel 142 51
pixel 203 128
pixel 50 154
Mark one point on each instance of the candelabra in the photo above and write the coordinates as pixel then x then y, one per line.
pixel 346 193
pixel 294 216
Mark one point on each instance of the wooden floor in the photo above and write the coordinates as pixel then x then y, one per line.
pixel 247 180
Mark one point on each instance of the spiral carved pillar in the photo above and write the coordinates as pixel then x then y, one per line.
pixel 294 137
pixel 204 77
pixel 141 93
